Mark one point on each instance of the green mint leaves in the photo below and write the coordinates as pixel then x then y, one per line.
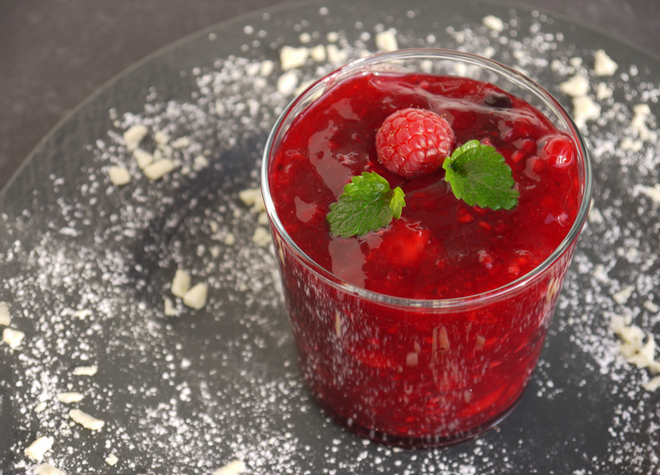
pixel 367 204
pixel 479 175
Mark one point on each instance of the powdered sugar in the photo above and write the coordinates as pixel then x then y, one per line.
pixel 193 394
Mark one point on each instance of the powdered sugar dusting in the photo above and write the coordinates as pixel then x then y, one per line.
pixel 196 392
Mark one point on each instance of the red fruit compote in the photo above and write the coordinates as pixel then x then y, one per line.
pixel 427 331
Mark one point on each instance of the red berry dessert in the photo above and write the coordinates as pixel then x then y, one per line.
pixel 414 142
pixel 422 347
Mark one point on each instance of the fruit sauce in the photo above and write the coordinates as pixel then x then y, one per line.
pixel 407 375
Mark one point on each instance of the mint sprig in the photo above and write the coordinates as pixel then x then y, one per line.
pixel 479 175
pixel 476 173
pixel 367 204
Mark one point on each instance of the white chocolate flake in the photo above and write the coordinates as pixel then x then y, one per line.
pixel 85 420
pixel 652 192
pixel 603 91
pixel 233 468
pixel 291 58
pixel 161 138
pixel 386 40
pixel 603 64
pixel 39 447
pixel 584 108
pixel 576 86
pixel 318 53
pixel 82 314
pixel 5 316
pixel 201 161
pixel 168 307
pixel 134 135
pixel 85 370
pixel 158 169
pixel 652 384
pixel 230 239
pixel 261 237
pixel 248 195
pixel 645 354
pixel 651 307
pixel 196 296
pixel 47 469
pixel 13 337
pixel 622 296
pixel 181 142
pixel 287 83
pixel 493 23
pixel 119 176
pixel 70 398
pixel 267 67
pixel 180 283
pixel 336 55
pixel 142 158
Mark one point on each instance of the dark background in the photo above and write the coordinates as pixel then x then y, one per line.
pixel 54 53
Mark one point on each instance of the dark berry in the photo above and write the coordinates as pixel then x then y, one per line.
pixel 498 100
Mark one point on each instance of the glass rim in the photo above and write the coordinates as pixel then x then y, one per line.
pixel 510 74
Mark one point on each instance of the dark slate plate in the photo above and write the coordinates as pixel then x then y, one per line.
pixel 191 393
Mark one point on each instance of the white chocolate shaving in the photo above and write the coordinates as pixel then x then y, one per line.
pixel 603 64
pixel 493 23
pixel 12 337
pixel 584 109
pixel 82 314
pixel 85 370
pixel 261 237
pixel 5 317
pixel 47 469
pixel 169 309
pixel 119 176
pixel 181 142
pixel 576 86
pixel 291 58
pixel 39 447
pixel 180 283
pixel 196 296
pixel 85 420
pixel 134 135
pixel 159 168
pixel 69 398
pixel 233 468
pixel 287 83
pixel 142 158
pixel 622 296
pixel 386 40
pixel 230 239
pixel 161 138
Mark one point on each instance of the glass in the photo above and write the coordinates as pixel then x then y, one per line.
pixel 413 372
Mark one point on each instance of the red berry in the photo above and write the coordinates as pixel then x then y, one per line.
pixel 414 142
pixel 559 151
pixel 404 244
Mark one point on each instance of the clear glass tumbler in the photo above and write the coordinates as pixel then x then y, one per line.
pixel 412 372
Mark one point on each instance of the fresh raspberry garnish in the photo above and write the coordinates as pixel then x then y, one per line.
pixel 414 142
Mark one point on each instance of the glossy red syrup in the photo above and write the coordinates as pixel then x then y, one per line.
pixel 412 376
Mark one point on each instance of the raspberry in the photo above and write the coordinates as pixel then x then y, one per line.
pixel 414 142
pixel 559 152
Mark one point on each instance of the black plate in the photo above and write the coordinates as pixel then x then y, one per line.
pixel 192 393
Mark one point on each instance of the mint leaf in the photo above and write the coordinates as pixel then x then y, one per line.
pixel 367 204
pixel 479 175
